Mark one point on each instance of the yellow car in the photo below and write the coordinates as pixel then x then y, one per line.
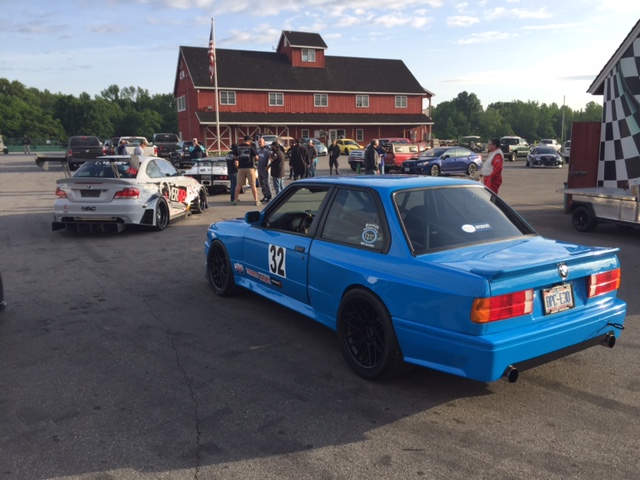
pixel 346 145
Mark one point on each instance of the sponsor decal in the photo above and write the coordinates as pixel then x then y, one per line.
pixel 252 273
pixel 88 209
pixel 276 283
pixel 264 278
pixel 479 227
pixel 370 234
pixel 238 268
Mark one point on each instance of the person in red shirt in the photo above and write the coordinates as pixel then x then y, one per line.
pixel 491 172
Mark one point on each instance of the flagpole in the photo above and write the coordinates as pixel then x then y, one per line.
pixel 215 75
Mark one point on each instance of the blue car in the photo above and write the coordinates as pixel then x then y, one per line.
pixel 436 272
pixel 444 161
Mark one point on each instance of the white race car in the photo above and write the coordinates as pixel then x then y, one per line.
pixel 212 173
pixel 111 192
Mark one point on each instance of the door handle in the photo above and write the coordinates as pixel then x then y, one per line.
pixel 299 249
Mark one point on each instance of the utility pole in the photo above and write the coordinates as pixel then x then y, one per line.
pixel 562 134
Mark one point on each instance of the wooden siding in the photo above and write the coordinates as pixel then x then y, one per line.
pixel 304 103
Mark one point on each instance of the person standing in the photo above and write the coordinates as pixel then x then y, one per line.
pixel 196 151
pixel 299 160
pixel 313 158
pixel 334 154
pixel 122 148
pixel 491 171
pixel 245 156
pixel 232 172
pixel 277 167
pixel 371 158
pixel 26 144
pixel 264 153
pixel 139 150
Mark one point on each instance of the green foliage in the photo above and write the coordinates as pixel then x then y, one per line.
pixel 464 115
pixel 116 111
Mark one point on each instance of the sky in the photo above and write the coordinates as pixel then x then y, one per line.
pixel 501 50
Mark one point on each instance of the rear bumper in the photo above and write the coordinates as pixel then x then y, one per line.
pixel 486 358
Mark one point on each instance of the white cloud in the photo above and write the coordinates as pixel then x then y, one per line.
pixel 484 37
pixel 461 21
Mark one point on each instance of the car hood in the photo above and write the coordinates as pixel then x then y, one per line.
pixel 521 260
pixel 421 159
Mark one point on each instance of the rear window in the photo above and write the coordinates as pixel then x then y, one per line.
pixel 449 217
pixel 165 138
pixel 511 141
pixel 105 169
pixel 84 142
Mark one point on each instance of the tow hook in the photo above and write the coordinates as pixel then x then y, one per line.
pixel 619 326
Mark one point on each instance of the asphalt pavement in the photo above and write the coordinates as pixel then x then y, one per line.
pixel 119 362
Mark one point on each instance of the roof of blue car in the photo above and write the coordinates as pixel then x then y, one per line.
pixel 390 181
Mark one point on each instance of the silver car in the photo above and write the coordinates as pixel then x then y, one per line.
pixel 111 192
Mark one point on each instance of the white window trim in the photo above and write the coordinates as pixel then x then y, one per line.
pixel 359 134
pixel 401 101
pixel 364 99
pixel 277 95
pixel 310 55
pixel 228 92
pixel 320 96
pixel 305 133
pixel 181 103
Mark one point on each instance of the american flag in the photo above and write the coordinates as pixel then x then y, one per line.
pixel 212 54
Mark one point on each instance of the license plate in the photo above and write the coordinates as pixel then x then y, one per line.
pixel 557 299
pixel 89 193
pixel 206 177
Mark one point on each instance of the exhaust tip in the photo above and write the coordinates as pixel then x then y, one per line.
pixel 609 340
pixel 511 374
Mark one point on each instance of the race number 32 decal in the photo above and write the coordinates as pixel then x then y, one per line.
pixel 277 260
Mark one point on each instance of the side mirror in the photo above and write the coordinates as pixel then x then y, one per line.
pixel 252 217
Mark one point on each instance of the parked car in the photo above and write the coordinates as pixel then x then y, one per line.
pixel 386 141
pixel 165 143
pixel 81 148
pixel 444 161
pixel 435 272
pixel 3 147
pixel 544 157
pixel 346 145
pixel 397 153
pixel 212 173
pixel 112 192
pixel 472 142
pixel 356 159
pixel 514 147
pixel 550 142
pixel 566 150
pixel 321 148
pixel 180 157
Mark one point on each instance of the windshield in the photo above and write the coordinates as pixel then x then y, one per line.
pixel 450 217
pixel 544 150
pixel 510 141
pixel 165 138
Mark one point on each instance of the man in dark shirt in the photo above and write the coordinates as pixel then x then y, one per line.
pixel 245 158
pixel 334 154
pixel 371 158
pixel 299 160
pixel 277 167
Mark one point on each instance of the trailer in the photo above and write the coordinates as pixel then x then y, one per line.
pixel 590 206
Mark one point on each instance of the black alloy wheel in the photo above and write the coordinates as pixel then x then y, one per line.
pixel 162 215
pixel 219 270
pixel 367 339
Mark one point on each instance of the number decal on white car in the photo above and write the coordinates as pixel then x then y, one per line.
pixel 277 260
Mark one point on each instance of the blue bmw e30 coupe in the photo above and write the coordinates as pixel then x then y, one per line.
pixel 435 272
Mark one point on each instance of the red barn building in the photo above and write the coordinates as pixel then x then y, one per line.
pixel 297 91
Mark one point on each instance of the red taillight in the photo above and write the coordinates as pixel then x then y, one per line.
pixel 492 309
pixel 127 193
pixel 604 282
pixel 60 193
pixel 155 151
pixel 70 153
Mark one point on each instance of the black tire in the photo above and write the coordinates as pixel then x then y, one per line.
pixel 366 336
pixel 353 166
pixel 583 220
pixel 434 171
pixel 199 205
pixel 162 215
pixel 472 169
pixel 219 270
pixel 513 157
